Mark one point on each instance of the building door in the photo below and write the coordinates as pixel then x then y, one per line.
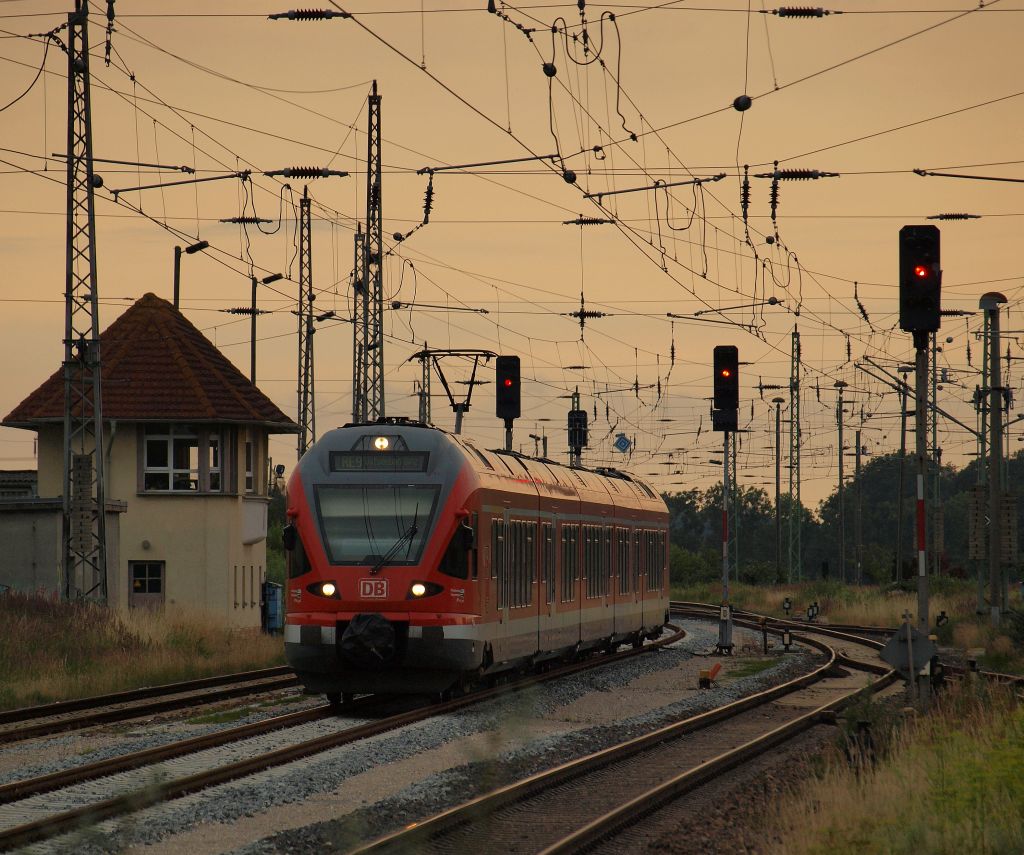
pixel 146 580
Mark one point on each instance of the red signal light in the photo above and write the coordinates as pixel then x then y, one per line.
pixel 920 271
pixel 508 382
pixel 726 372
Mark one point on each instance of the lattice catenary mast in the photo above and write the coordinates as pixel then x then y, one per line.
pixel 83 533
pixel 368 314
pixel 795 508
pixel 306 408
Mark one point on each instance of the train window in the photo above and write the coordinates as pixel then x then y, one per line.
pixel 363 523
pixel 297 560
pixel 455 561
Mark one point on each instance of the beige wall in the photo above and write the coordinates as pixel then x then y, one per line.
pixel 30 531
pixel 200 538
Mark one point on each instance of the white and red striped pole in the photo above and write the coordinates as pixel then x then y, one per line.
pixel 921 426
pixel 725 620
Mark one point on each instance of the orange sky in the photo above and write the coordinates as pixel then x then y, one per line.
pixel 218 86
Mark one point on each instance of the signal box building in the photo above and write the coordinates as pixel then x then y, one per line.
pixel 187 473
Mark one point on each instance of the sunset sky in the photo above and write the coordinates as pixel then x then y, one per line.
pixel 871 91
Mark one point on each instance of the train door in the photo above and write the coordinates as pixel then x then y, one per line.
pixel 626 604
pixel 567 609
pixel 496 613
pixel 516 589
pixel 597 615
pixel 546 586
pixel 640 575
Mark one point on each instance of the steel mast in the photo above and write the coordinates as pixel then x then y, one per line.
pixel 306 408
pixel 368 315
pixel 83 533
pixel 795 508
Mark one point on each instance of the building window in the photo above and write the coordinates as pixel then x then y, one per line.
pixel 250 465
pixel 179 459
pixel 213 462
pixel 147 583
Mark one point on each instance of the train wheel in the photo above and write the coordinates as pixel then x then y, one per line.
pixel 638 641
pixel 335 699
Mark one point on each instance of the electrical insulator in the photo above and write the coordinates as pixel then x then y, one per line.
pixel 306 172
pixel 801 12
pixel 745 192
pixel 428 200
pixel 955 217
pixel 308 15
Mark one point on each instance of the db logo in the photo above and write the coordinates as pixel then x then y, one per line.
pixel 373 589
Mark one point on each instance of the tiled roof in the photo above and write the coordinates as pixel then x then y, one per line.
pixel 158 366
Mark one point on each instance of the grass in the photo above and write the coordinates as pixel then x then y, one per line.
pixel 750 668
pixel 221 717
pixel 51 650
pixel 949 783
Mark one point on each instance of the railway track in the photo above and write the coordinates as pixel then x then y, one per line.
pixel 48 719
pixel 27 813
pixel 838 631
pixel 578 804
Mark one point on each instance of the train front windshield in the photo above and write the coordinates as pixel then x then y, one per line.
pixel 371 523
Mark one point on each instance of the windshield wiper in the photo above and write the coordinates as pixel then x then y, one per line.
pixel 408 534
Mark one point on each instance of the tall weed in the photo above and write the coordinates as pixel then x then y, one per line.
pixel 52 650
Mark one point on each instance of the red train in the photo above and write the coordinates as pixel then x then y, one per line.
pixel 419 563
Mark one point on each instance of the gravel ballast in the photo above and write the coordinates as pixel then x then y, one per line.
pixel 485 746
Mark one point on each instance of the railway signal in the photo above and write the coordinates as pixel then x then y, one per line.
pixel 577 430
pixel 920 279
pixel 727 377
pixel 507 398
pixel 724 418
pixel 920 314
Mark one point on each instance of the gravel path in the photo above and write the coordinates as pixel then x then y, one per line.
pixel 447 760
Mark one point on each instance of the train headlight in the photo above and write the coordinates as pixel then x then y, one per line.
pixel 419 590
pixel 381 443
pixel 324 589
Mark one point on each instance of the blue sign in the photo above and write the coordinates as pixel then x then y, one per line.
pixel 621 443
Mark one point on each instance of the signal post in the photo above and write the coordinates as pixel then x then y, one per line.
pixel 724 418
pixel 921 314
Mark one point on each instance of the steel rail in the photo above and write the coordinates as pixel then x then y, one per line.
pixel 633 811
pixel 847 632
pixel 411 838
pixel 15 790
pixel 106 716
pixel 77 704
pixel 70 820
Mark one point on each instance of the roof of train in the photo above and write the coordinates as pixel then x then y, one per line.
pixel 517 470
